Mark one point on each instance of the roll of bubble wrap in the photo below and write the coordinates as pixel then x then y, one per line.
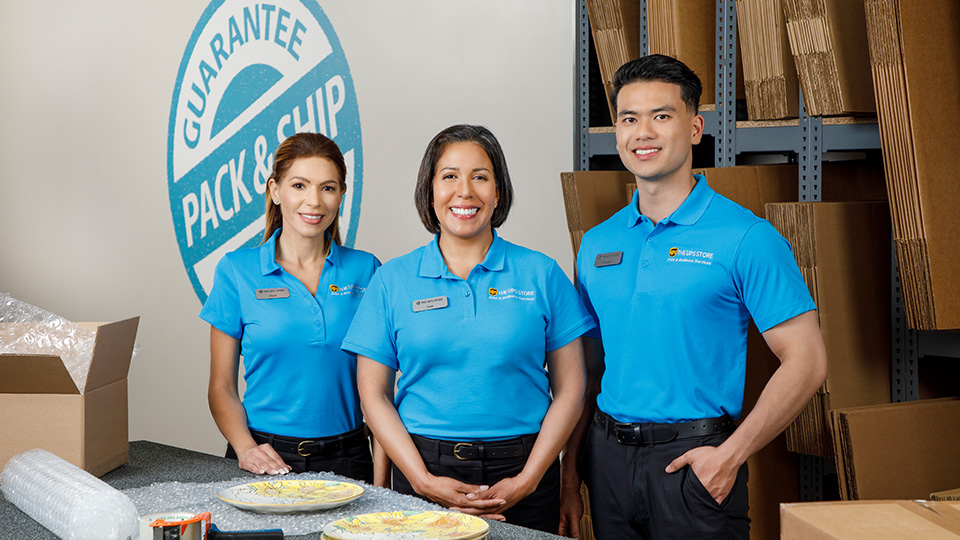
pixel 72 503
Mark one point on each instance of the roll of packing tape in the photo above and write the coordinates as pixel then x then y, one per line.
pixel 196 530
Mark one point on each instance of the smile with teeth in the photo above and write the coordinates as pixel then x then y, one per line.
pixel 311 218
pixel 645 151
pixel 464 211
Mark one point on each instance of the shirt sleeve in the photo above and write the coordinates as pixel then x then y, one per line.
pixel 568 318
pixel 585 295
pixel 222 308
pixel 768 278
pixel 371 333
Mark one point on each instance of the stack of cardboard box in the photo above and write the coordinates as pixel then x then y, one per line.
pixel 870 520
pixel 686 30
pixel 899 450
pixel 769 72
pixel 915 61
pixel 829 43
pixel 615 25
pixel 843 251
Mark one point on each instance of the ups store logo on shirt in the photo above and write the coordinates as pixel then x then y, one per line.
pixel 510 293
pixel 342 290
pixel 673 251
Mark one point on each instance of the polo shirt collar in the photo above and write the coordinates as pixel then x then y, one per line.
pixel 268 254
pixel 689 211
pixel 432 265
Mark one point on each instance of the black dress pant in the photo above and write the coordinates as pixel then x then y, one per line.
pixel 540 510
pixel 632 497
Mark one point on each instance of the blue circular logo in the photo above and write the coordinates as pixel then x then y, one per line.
pixel 252 75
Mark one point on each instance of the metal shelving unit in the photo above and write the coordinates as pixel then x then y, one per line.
pixel 805 140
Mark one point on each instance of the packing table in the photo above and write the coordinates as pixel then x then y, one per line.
pixel 152 462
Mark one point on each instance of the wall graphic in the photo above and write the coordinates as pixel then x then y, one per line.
pixel 252 75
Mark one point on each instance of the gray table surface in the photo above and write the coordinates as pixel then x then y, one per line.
pixel 152 462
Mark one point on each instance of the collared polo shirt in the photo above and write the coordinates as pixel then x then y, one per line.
pixel 299 382
pixel 673 312
pixel 471 352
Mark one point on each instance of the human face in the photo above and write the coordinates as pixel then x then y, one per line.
pixel 309 196
pixel 464 191
pixel 656 132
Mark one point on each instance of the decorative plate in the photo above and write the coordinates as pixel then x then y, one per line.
pixel 285 496
pixel 432 525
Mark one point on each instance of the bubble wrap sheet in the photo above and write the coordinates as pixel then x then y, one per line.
pixel 202 497
pixel 41 332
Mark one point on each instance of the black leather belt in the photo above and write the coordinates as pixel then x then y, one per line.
pixel 649 434
pixel 316 447
pixel 511 448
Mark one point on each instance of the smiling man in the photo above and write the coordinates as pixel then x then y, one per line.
pixel 673 280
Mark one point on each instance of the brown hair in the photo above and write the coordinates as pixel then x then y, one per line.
pixel 291 149
pixel 423 193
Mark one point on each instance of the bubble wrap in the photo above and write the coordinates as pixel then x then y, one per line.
pixel 72 503
pixel 202 497
pixel 46 333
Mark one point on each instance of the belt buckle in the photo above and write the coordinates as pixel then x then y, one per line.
pixel 300 451
pixel 456 450
pixel 621 432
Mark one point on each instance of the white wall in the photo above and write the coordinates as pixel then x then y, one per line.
pixel 84 108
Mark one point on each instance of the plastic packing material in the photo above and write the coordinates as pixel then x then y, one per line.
pixel 194 498
pixel 72 503
pixel 41 332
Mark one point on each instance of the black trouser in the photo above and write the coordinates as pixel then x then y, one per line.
pixel 347 454
pixel 540 510
pixel 632 497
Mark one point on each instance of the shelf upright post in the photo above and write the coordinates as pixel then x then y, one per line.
pixel 644 31
pixel 811 154
pixel 904 343
pixel 726 96
pixel 582 112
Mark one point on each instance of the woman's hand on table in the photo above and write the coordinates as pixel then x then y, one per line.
pixel 262 459
pixel 456 495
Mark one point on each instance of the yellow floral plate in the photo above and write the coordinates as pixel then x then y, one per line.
pixel 432 525
pixel 286 496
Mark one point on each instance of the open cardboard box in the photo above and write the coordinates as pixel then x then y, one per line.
pixel 42 407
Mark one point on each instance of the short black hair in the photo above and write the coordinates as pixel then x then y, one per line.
pixel 658 67
pixel 423 193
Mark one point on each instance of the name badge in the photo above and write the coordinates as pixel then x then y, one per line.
pixel 427 304
pixel 270 294
pixel 608 259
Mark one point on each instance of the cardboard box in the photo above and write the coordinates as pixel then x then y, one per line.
pixel 42 407
pixel 870 520
pixel 897 451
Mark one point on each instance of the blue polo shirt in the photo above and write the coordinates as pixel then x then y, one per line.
pixel 471 352
pixel 673 312
pixel 299 382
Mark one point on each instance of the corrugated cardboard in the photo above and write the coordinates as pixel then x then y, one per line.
pixel 897 451
pixel 828 40
pixel 42 407
pixel 769 71
pixel 686 30
pixel 843 250
pixel 615 26
pixel 870 520
pixel 915 61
